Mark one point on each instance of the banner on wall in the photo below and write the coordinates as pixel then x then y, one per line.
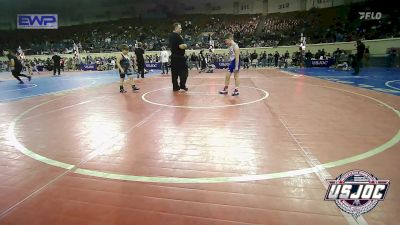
pixel 320 63
pixel 86 67
pixel 152 66
pixel 37 21
pixel 221 65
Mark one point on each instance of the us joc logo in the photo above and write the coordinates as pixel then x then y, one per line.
pixel 356 192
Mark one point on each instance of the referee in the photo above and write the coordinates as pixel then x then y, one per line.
pixel 359 57
pixel 139 52
pixel 178 60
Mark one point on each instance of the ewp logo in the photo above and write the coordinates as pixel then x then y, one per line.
pixel 370 15
pixel 37 21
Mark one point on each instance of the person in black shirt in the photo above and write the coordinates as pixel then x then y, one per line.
pixel 264 59
pixel 56 64
pixel 179 67
pixel 246 61
pixel 139 52
pixel 276 57
pixel 270 56
pixel 359 57
pixel 203 62
pixel 16 66
pixel 392 57
pixel 254 56
pixel 366 56
pixel 308 57
pixel 194 61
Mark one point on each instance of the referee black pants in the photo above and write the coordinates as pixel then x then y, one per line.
pixel 357 64
pixel 56 68
pixel 140 66
pixel 179 69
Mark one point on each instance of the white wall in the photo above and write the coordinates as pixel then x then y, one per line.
pixel 338 2
pixel 72 12
pixel 281 6
pixel 256 6
pixel 319 4
pixel 377 48
pixel 222 7
pixel 328 3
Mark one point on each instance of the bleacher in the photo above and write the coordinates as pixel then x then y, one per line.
pixel 336 24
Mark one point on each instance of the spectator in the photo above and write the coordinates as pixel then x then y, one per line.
pixel 359 56
pixel 164 60
pixel 276 57
pixel 56 64
pixel 366 57
pixel 254 57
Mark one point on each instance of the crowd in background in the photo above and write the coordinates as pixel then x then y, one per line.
pixel 336 24
pixel 204 59
pixel 199 31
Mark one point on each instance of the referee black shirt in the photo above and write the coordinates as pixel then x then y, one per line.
pixel 174 41
pixel 56 60
pixel 139 55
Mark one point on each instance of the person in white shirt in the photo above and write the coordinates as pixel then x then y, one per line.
pixel 113 64
pixel 34 66
pixel 164 60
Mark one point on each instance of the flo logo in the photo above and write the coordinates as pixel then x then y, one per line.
pixel 370 15
pixel 356 192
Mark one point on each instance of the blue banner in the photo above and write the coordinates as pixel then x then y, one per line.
pixel 152 66
pixel 321 62
pixel 222 65
pixel 40 68
pixel 88 67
